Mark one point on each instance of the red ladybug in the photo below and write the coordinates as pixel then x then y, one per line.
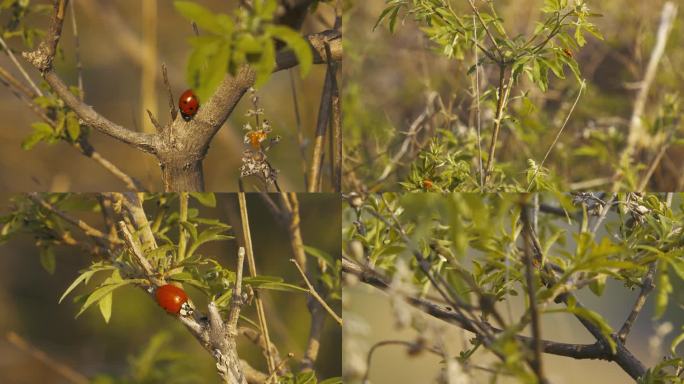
pixel 173 300
pixel 188 104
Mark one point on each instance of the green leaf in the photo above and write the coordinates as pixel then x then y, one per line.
pixel 105 305
pixel 677 340
pixel 297 43
pixel 204 17
pixel 273 283
pixel 210 234
pixel 332 380
pixel 284 287
pixel 100 293
pixel 207 199
pixel 41 132
pixel 663 290
pixel 84 277
pixel 191 229
pixel 308 377
pixel 598 285
pixel 217 68
pixel 597 320
pixel 205 48
pixel 47 259
pixel 72 126
pixel 321 255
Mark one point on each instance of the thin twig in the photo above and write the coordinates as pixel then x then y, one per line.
pixel 647 287
pixel 62 369
pixel 536 362
pixel 636 130
pixel 655 163
pixel 315 294
pixel 324 116
pixel 477 106
pixel 148 94
pixel 335 135
pixel 182 219
pixel 77 51
pixel 19 67
pixel 246 233
pixel 137 252
pixel 101 238
pixel 236 301
pixel 489 34
pixel 502 100
pixel 298 123
pixel 408 344
pixel 172 104
pixel 558 135
pixel 603 214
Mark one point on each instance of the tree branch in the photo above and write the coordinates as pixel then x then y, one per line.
pixel 373 278
pixel 647 287
pixel 42 58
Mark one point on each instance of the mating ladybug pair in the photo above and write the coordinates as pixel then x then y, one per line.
pixel 173 299
pixel 188 104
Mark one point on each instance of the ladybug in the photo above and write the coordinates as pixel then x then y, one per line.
pixel 188 104
pixel 173 299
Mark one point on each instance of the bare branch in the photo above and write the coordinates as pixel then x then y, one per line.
pixel 172 102
pixel 63 370
pixel 324 116
pixel 102 239
pixel 246 233
pixel 236 301
pixel 636 129
pixel 315 294
pixel 536 362
pixel 647 287
pixel 137 252
pixel 155 122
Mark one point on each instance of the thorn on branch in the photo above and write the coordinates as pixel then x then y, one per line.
pixel 154 121
pixel 172 105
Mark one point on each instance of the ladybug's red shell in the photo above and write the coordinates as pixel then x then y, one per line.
pixel 171 298
pixel 188 104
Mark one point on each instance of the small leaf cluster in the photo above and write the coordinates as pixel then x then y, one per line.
pixel 549 48
pixel 61 123
pixel 248 36
pixel 16 26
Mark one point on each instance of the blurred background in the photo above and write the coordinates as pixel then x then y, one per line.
pixel 122 46
pixel 389 79
pixel 370 317
pixel 29 298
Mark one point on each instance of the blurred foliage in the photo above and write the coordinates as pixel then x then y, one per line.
pixel 247 38
pixel 187 236
pixel 16 26
pixel 522 61
pixel 472 244
pixel 155 363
